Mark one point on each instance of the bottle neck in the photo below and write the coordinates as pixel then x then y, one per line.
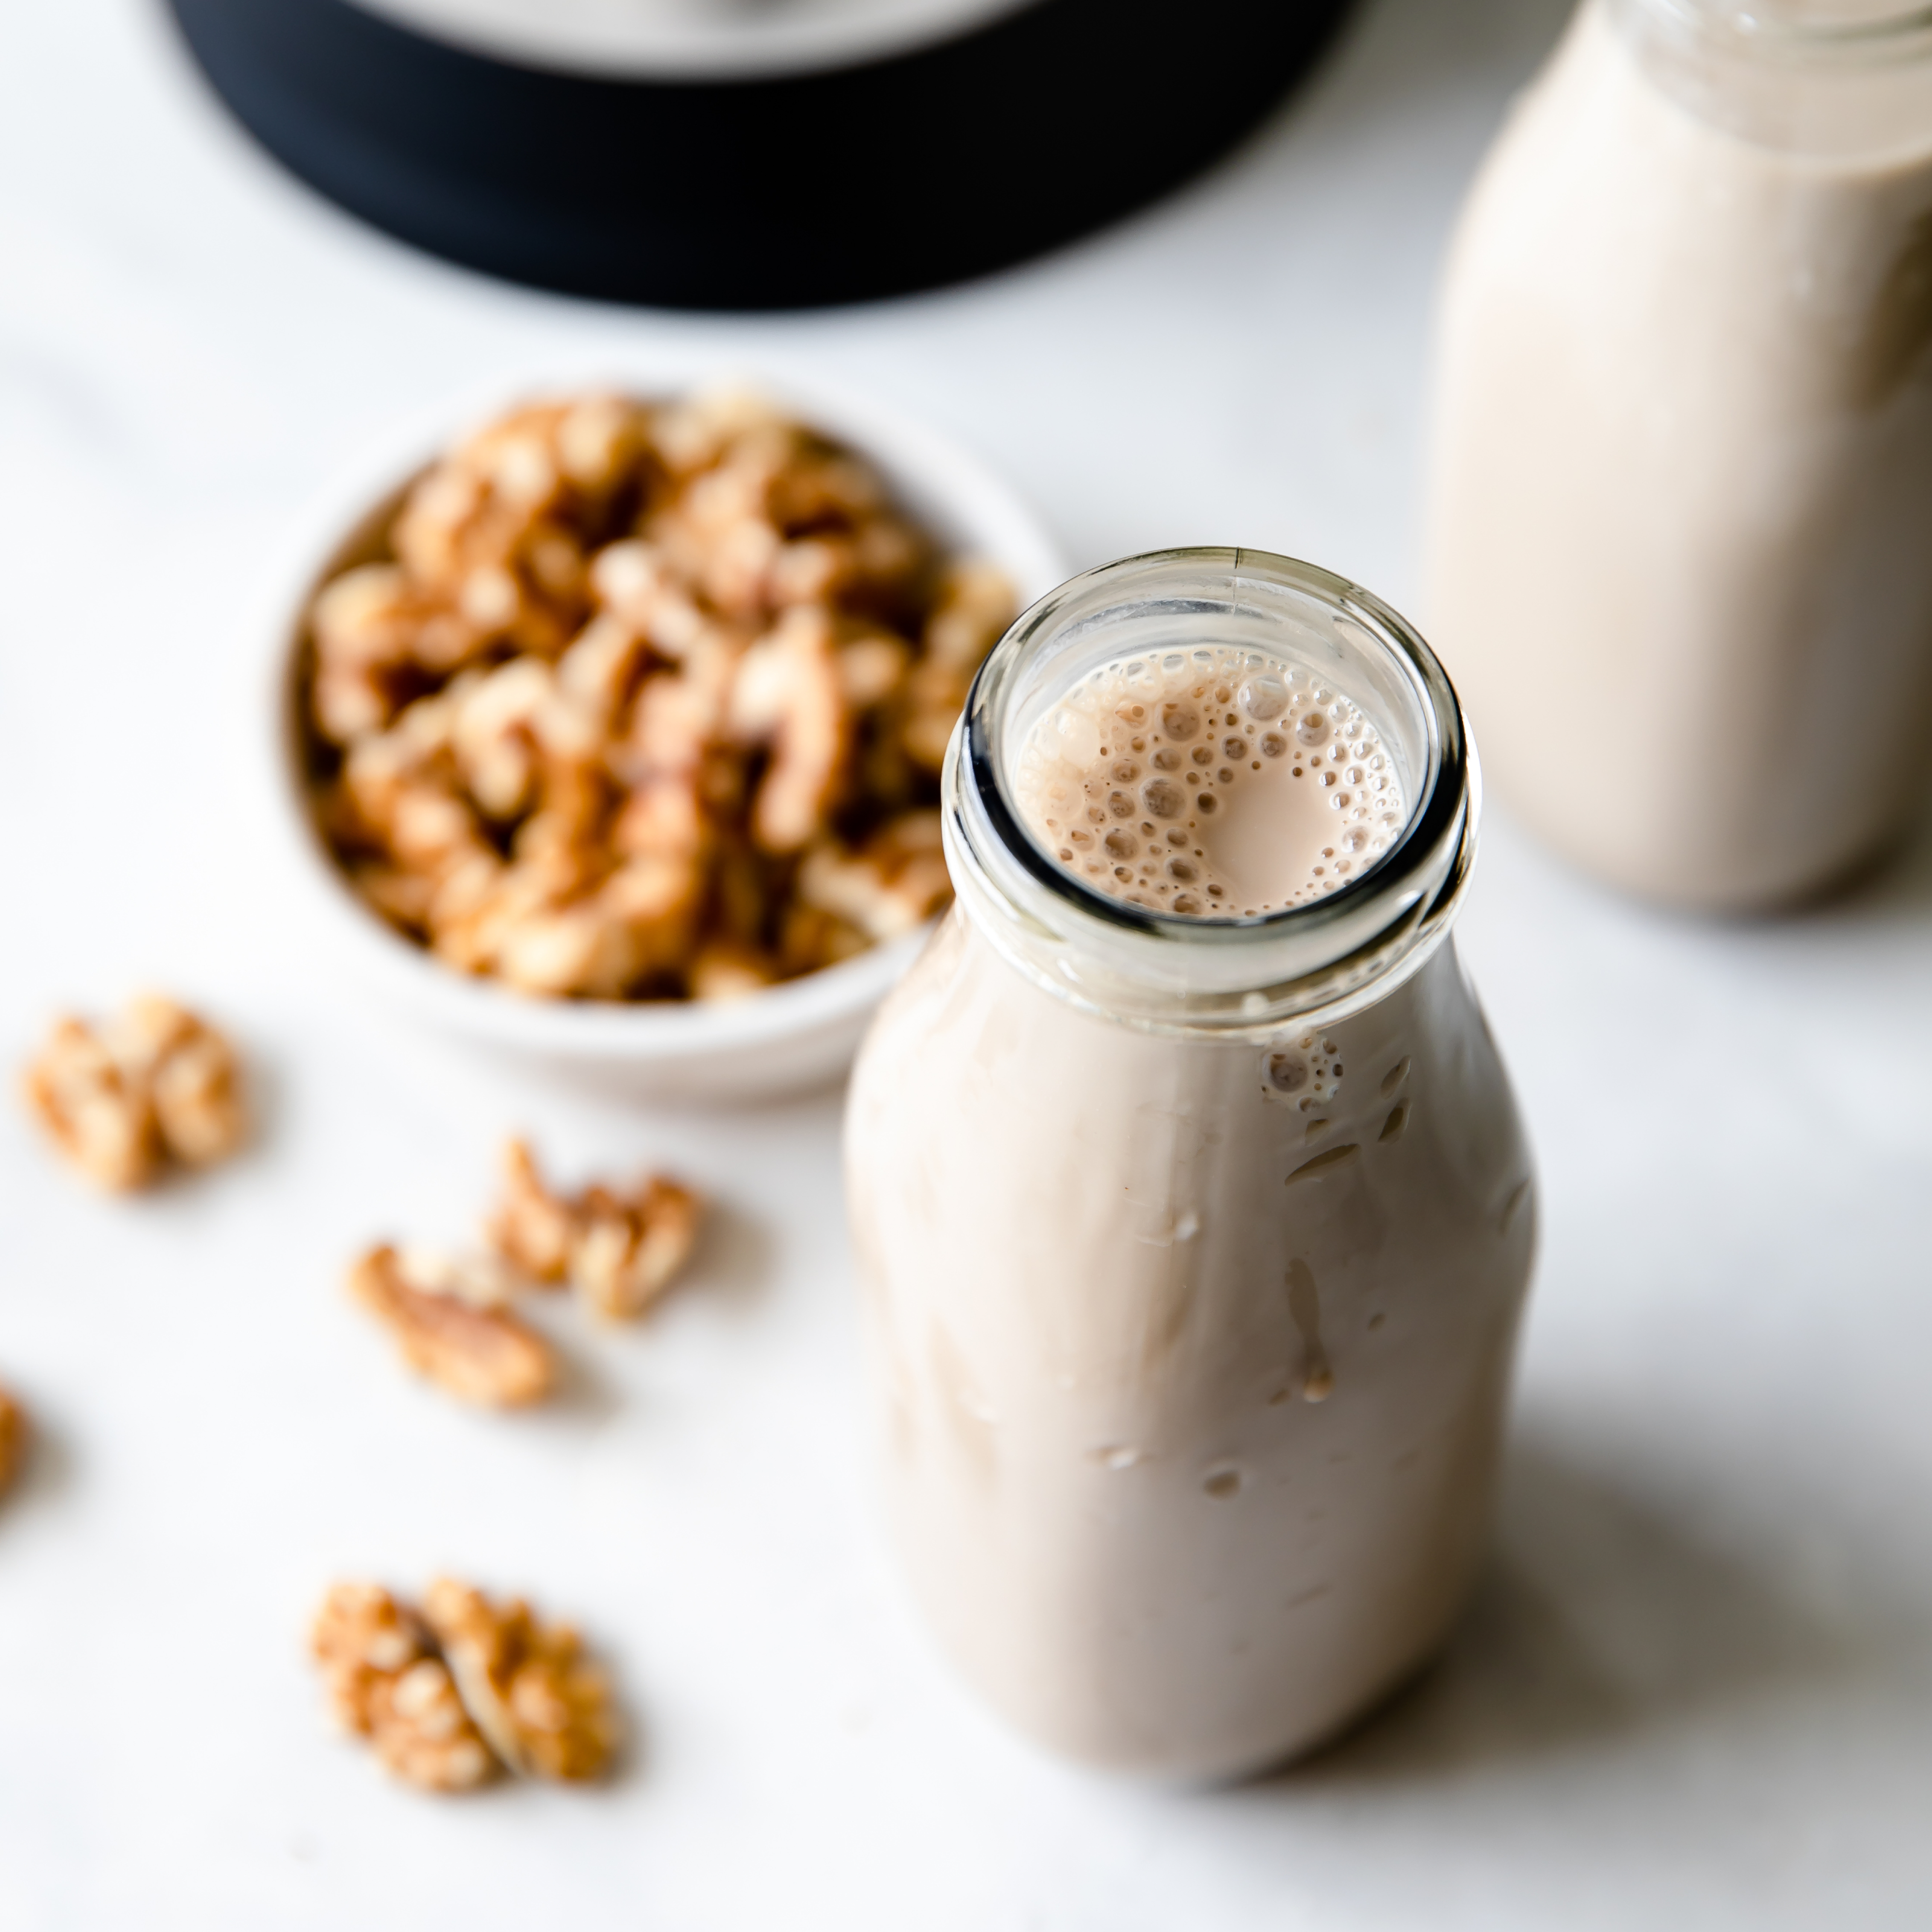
pixel 1165 972
pixel 1834 79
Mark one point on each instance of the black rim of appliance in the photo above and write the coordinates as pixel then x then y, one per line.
pixel 845 185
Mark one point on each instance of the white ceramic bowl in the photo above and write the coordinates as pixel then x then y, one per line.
pixel 795 1035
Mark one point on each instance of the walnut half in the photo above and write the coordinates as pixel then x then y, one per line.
pixel 386 1683
pixel 155 1086
pixel 529 1227
pixel 630 1246
pixel 480 1353
pixel 621 1249
pixel 190 1074
pixel 452 1696
pixel 92 1110
pixel 544 1706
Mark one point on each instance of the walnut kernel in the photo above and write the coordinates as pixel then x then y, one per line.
pixel 154 1085
pixel 629 1247
pixel 621 1250
pixel 480 1355
pixel 529 1227
pixel 617 681
pixel 544 1706
pixel 386 1683
pixel 191 1074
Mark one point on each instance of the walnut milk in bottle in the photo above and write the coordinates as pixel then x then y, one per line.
pixel 1193 1206
pixel 1681 512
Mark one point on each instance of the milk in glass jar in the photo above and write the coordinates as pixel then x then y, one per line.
pixel 1193 1208
pixel 1681 512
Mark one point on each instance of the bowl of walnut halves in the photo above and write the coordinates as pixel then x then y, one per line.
pixel 611 722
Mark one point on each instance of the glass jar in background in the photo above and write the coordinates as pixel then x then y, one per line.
pixel 1193 1248
pixel 1680 518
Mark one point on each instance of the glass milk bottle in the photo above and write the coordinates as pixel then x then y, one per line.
pixel 1193 1206
pixel 1681 513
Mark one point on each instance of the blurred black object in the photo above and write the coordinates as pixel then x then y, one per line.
pixel 829 186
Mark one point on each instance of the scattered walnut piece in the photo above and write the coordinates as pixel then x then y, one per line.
pixel 482 1354
pixel 155 1085
pixel 96 1114
pixel 622 686
pixel 190 1072
pixel 386 1683
pixel 424 1734
pixel 621 1250
pixel 544 1706
pixel 630 1246
pixel 529 1227
pixel 12 1440
pixel 478 1277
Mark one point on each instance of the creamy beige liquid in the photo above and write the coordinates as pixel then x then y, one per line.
pixel 1680 549
pixel 1194 1353
pixel 1193 1347
pixel 1212 782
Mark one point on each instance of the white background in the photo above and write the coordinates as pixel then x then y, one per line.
pixel 1696 1689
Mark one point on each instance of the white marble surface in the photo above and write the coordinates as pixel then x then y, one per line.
pixel 1696 1688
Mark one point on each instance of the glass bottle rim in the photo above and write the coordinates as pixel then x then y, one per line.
pixel 1750 26
pixel 1220 968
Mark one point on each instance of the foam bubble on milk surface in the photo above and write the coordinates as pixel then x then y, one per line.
pixel 1212 783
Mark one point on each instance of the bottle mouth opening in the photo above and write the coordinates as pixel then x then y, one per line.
pixel 1161 607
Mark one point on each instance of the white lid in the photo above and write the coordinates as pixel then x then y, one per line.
pixel 693 39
